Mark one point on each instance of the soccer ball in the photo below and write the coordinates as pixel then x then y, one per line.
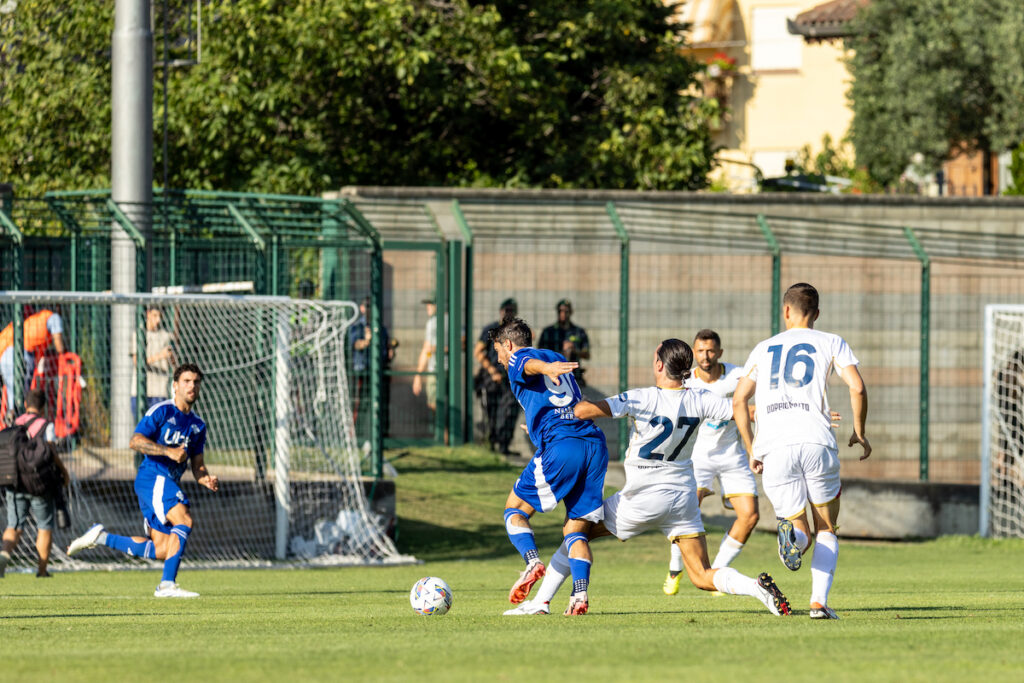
pixel 431 596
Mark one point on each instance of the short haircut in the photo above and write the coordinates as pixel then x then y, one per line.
pixel 708 335
pixel 35 400
pixel 803 297
pixel 677 357
pixel 188 367
pixel 514 330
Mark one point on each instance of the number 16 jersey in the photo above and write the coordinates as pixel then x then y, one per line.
pixel 660 444
pixel 791 370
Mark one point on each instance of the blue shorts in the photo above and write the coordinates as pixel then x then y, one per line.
pixel 157 494
pixel 567 469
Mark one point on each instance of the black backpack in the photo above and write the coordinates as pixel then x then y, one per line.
pixel 11 440
pixel 38 473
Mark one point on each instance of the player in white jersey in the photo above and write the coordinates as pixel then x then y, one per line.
pixel 660 491
pixel 718 454
pixel 795 447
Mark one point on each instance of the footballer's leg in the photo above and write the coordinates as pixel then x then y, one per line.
pixel 728 580
pixel 826 557
pixel 181 526
pixel 733 542
pixel 520 534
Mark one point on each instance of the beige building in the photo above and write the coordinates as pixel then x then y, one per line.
pixel 782 92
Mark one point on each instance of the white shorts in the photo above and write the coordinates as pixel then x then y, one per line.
pixel 794 475
pixel 734 476
pixel 672 510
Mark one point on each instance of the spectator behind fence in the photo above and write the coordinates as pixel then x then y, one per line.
pixel 44 507
pixel 360 337
pixel 39 330
pixel 501 410
pixel 567 338
pixel 426 364
pixel 159 361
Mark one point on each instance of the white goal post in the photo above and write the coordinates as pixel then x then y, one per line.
pixel 1002 423
pixel 280 434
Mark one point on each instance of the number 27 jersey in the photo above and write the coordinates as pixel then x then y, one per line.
pixel 791 370
pixel 660 443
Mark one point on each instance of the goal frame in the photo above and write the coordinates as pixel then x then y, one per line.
pixel 985 484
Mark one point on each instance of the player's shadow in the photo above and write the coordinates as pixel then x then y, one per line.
pixel 51 615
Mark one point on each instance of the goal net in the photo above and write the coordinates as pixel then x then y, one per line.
pixel 1002 478
pixel 276 403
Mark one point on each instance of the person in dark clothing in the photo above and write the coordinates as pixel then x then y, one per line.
pixel 501 410
pixel 567 338
pixel 360 337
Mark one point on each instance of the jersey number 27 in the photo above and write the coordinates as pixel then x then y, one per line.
pixel 647 450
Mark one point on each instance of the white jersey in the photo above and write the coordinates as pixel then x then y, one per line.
pixel 660 444
pixel 791 371
pixel 718 437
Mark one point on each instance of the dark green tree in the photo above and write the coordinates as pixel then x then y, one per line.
pixel 930 76
pixel 300 96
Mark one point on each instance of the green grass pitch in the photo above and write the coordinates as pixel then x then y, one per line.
pixel 951 609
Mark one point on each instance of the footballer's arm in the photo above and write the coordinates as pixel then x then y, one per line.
pixel 554 370
pixel 859 405
pixel 585 410
pixel 203 478
pixel 149 447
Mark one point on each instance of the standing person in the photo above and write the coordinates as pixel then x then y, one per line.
pixel 170 435
pixel 360 337
pixel 159 360
pixel 43 507
pixel 426 364
pixel 570 462
pixel 40 329
pixel 660 491
pixel 795 447
pixel 567 338
pixel 718 453
pixel 501 411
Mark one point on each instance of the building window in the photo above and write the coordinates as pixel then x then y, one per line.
pixel 773 47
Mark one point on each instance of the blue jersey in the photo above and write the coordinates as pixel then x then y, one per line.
pixel 168 426
pixel 548 406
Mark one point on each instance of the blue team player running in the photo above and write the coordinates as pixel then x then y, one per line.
pixel 170 435
pixel 570 462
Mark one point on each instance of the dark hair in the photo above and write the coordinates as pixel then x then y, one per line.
pixel 803 297
pixel 514 330
pixel 677 357
pixel 708 335
pixel 35 399
pixel 188 367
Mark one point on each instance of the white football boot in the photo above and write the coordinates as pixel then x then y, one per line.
pixel 169 589
pixel 87 540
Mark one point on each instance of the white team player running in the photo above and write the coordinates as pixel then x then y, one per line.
pixel 660 491
pixel 795 447
pixel 718 454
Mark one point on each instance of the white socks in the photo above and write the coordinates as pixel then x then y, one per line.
pixel 727 552
pixel 728 580
pixel 675 561
pixel 823 566
pixel 557 572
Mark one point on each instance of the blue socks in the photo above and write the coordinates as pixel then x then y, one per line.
pixel 521 536
pixel 580 568
pixel 171 563
pixel 131 547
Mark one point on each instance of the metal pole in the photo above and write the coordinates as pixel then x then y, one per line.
pixel 282 442
pixel 376 351
pixel 923 396
pixel 620 229
pixel 467 355
pixel 453 344
pixel 773 245
pixel 131 185
pixel 985 486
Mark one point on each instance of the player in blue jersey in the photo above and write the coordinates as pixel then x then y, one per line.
pixel 172 437
pixel 570 462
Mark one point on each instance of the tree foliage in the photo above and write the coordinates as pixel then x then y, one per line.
pixel 300 96
pixel 932 75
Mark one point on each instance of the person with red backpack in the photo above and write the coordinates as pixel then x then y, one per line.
pixel 35 492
